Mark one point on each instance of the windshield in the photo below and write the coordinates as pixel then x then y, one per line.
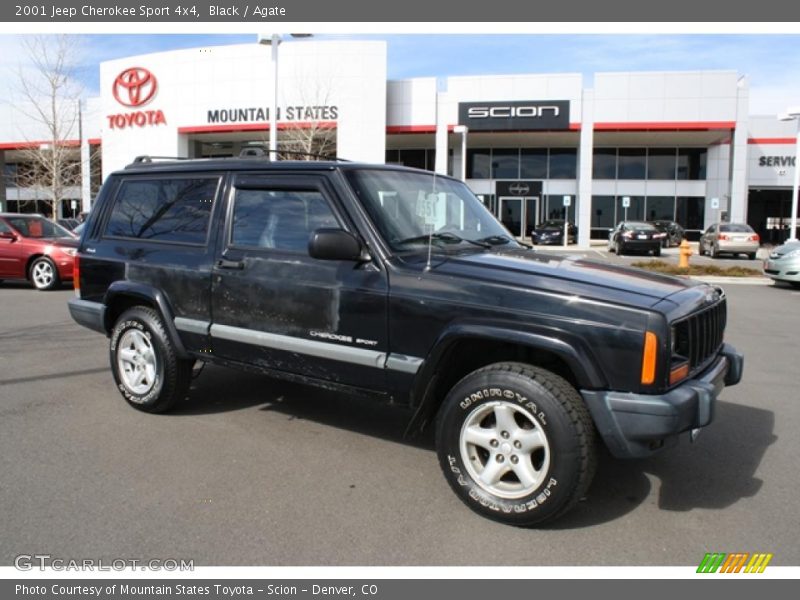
pixel 411 208
pixel 38 227
pixel 638 225
pixel 552 223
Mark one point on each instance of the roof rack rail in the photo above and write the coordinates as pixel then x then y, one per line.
pixel 256 151
pixel 146 158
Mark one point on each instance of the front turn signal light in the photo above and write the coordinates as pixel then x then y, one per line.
pixel 649 358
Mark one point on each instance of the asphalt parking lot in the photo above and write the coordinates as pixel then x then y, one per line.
pixel 250 471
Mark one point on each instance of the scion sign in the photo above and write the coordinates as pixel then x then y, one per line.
pixel 518 116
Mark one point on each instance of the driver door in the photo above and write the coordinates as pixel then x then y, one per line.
pixel 276 307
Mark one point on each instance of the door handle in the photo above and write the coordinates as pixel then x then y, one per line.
pixel 224 263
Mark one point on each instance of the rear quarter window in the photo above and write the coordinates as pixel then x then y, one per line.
pixel 173 209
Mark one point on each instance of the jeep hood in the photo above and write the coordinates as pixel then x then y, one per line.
pixel 564 274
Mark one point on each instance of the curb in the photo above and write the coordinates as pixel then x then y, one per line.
pixel 732 280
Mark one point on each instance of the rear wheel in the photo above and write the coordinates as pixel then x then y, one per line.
pixel 713 252
pixel 751 256
pixel 43 274
pixel 146 369
pixel 619 248
pixel 657 251
pixel 516 443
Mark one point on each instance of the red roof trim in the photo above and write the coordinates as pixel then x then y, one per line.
pixel 234 127
pixel 788 140
pixel 665 126
pixel 35 144
pixel 414 128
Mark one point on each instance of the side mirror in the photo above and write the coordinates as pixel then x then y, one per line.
pixel 335 244
pixel 8 235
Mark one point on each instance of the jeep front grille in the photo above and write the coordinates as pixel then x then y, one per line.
pixel 698 337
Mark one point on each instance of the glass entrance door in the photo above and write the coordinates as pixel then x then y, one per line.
pixel 519 215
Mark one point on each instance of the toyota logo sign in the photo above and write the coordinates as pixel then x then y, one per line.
pixel 135 87
pixel 519 189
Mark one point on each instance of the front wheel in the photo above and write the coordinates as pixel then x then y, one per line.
pixel 44 274
pixel 516 443
pixel 146 369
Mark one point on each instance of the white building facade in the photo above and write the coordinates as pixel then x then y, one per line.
pixel 646 145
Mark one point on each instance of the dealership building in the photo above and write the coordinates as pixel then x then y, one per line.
pixel 677 146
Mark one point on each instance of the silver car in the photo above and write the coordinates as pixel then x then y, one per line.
pixel 730 238
pixel 783 263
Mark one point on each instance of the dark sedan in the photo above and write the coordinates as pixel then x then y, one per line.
pixel 674 232
pixel 636 236
pixel 552 232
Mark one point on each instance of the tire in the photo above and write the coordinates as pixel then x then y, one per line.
pixel 43 274
pixel 751 256
pixel 713 252
pixel 657 251
pixel 620 251
pixel 539 409
pixel 146 369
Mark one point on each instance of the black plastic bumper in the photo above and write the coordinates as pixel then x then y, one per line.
pixel 637 425
pixel 88 314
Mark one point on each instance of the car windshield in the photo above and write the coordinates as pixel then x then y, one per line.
pixel 38 227
pixel 735 228
pixel 411 208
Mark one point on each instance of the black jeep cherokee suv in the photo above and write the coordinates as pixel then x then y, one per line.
pixel 399 284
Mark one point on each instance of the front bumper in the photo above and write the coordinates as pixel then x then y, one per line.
pixel 782 270
pixel 637 425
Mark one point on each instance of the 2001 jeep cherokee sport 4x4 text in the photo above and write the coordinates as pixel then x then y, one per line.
pixel 399 284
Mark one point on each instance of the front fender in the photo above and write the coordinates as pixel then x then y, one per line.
pixel 566 346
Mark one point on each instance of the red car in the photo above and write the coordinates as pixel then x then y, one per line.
pixel 36 249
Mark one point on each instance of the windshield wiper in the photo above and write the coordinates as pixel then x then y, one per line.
pixel 496 240
pixel 445 236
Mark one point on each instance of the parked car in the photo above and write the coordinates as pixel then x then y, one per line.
pixel 399 285
pixel 552 232
pixel 36 249
pixel 68 224
pixel 729 238
pixel 674 231
pixel 635 236
pixel 783 264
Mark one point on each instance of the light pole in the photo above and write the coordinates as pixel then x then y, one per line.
pixel 274 40
pixel 793 114
pixel 463 130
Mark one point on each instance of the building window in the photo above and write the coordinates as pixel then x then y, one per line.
pixel 393 157
pixel 635 212
pixel 505 163
pixel 632 163
pixel 10 174
pixel 660 208
pixel 692 163
pixel 603 212
pixel 604 163
pixel 661 163
pixel 554 209
pixel 563 163
pixel 479 162
pixel 533 163
pixel 690 211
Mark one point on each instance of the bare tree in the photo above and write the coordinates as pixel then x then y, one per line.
pixel 311 129
pixel 51 98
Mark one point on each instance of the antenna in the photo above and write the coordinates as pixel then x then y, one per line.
pixel 430 231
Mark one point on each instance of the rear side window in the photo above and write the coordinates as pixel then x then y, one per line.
pixel 165 210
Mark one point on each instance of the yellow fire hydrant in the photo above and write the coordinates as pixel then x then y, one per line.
pixel 684 252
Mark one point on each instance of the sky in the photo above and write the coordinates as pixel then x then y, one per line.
pixel 770 61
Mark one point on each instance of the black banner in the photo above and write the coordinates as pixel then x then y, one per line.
pixel 528 115
pixel 293 11
pixel 518 188
pixel 732 588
